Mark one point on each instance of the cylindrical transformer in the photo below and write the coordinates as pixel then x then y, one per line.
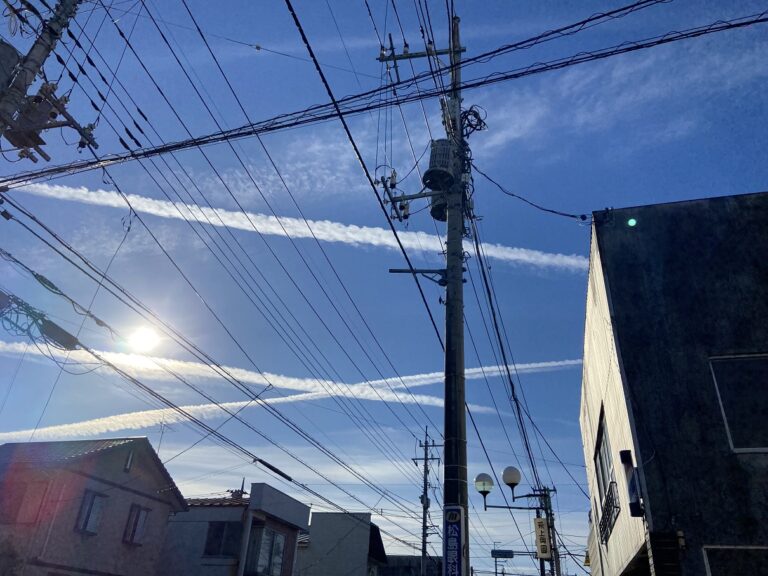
pixel 439 176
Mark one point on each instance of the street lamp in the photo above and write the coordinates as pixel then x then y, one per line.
pixel 545 529
pixel 511 477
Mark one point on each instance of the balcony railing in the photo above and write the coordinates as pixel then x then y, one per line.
pixel 609 513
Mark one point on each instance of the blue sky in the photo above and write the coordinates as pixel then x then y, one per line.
pixel 676 122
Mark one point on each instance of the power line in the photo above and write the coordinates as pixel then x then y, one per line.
pixel 255 46
pixel 74 342
pixel 357 104
pixel 318 243
pixel 521 410
pixel 579 217
pixel 376 443
pixel 243 388
pixel 359 157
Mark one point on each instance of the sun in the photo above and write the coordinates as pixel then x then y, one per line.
pixel 144 340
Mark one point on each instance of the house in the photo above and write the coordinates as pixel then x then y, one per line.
pixel 236 535
pixel 341 543
pixel 95 507
pixel 674 403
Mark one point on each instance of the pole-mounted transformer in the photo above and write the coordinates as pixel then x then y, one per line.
pixel 439 177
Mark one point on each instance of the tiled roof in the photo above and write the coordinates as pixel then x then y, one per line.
pixel 40 452
pixel 222 501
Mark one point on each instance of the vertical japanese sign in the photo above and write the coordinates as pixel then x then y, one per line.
pixel 543 546
pixel 453 540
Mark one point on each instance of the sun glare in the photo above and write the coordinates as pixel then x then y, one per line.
pixel 144 340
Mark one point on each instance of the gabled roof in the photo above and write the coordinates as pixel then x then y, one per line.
pixel 44 452
pixel 64 452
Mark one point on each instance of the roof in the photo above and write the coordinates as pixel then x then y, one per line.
pixel 43 452
pixel 62 452
pixel 221 501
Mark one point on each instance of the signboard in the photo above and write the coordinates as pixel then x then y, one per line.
pixel 502 553
pixel 453 541
pixel 543 545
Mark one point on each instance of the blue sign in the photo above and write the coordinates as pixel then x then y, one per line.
pixel 453 540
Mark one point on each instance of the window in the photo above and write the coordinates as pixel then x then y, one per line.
pixel 90 512
pixel 603 460
pixel 606 481
pixel 128 461
pixel 134 528
pixel 265 552
pixel 223 539
pixel 740 384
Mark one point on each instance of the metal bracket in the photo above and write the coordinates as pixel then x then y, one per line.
pixel 422 194
pixel 436 275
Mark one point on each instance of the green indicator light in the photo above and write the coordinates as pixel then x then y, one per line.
pixel 631 222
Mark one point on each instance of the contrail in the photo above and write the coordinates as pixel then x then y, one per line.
pixel 153 368
pixel 149 418
pixel 136 420
pixel 147 368
pixel 324 230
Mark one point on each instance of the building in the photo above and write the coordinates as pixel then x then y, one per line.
pixel 235 536
pixel 341 543
pixel 95 507
pixel 411 566
pixel 674 404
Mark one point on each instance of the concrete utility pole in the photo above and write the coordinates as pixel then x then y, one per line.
pixel 30 66
pixel 425 496
pixel 555 561
pixel 447 179
pixel 455 453
pixel 23 117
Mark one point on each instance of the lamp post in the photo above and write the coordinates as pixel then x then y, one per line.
pixel 545 531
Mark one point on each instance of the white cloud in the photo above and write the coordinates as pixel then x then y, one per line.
pixel 324 230
pixel 668 88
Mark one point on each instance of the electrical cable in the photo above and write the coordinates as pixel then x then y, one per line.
pixel 491 294
pixel 353 104
pixel 363 166
pixel 516 404
pixel 579 217
pixel 333 336
pixel 269 408
pixel 214 432
pixel 79 331
pixel 123 36
pixel 256 47
pixel 13 379
pixel 319 245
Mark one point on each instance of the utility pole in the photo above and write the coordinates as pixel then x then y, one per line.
pixel 23 117
pixel 550 515
pixel 31 65
pixel 447 179
pixel 425 496
pixel 455 453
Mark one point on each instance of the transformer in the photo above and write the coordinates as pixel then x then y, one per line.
pixel 439 176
